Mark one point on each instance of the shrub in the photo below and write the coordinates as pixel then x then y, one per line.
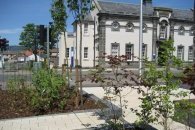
pixel 15 84
pixel 50 91
pixel 185 112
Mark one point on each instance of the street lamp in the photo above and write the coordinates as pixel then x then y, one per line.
pixel 194 36
pixel 140 37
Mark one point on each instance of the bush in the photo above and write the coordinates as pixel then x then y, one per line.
pixel 185 112
pixel 50 91
pixel 15 84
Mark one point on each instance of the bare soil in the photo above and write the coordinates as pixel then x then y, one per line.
pixel 15 105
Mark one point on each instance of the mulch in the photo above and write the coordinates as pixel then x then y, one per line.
pixel 15 105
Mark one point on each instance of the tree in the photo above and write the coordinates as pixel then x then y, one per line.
pixel 114 87
pixel 160 86
pixel 27 37
pixel 80 8
pixel 59 16
pixel 3 44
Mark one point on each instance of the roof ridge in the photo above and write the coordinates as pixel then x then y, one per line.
pixel 109 1
pixel 172 8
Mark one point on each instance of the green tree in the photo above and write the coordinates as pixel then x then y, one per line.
pixel 161 85
pixel 80 8
pixel 59 16
pixel 27 37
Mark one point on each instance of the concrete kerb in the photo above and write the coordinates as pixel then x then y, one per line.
pixel 112 111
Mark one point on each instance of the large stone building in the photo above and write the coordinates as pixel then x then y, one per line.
pixel 113 28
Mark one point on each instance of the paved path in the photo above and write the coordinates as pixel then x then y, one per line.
pixel 133 102
pixel 68 121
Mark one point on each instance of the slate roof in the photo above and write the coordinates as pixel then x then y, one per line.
pixel 183 14
pixel 133 9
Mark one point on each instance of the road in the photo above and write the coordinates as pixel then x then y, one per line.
pixel 27 76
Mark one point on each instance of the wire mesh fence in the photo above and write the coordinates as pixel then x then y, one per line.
pixel 14 68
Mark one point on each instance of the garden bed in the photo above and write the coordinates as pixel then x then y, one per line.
pixel 15 105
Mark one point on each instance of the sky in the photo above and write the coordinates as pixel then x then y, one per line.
pixel 14 14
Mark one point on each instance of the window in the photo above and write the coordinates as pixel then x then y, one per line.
pixel 67 52
pixel 129 51
pixel 180 52
pixel 192 31
pixel 129 27
pixel 144 51
pixel 190 53
pixel 145 28
pixel 163 30
pixel 85 28
pixel 85 52
pixel 181 30
pixel 114 49
pixel 115 26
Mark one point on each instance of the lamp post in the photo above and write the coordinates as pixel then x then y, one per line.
pixel 194 36
pixel 140 37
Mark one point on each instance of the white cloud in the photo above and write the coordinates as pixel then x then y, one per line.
pixel 10 31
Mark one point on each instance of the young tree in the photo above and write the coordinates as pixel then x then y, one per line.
pixel 80 8
pixel 59 15
pixel 115 84
pixel 27 37
pixel 161 86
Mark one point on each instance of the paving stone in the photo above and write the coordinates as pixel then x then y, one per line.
pixel 25 121
pixel 81 115
pixel 7 128
pixel 40 128
pixel 2 123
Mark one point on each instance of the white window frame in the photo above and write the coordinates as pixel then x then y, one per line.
pixel 163 29
pixel 85 55
pixel 144 51
pixel 180 54
pixel 190 53
pixel 86 28
pixel 114 51
pixel 129 51
pixel 67 52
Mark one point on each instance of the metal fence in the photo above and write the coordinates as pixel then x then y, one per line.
pixel 14 69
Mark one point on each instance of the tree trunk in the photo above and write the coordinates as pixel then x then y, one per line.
pixel 80 80
pixel 67 70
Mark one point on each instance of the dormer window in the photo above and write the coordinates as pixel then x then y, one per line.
pixel 145 28
pixel 181 30
pixel 192 31
pixel 115 26
pixel 129 27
